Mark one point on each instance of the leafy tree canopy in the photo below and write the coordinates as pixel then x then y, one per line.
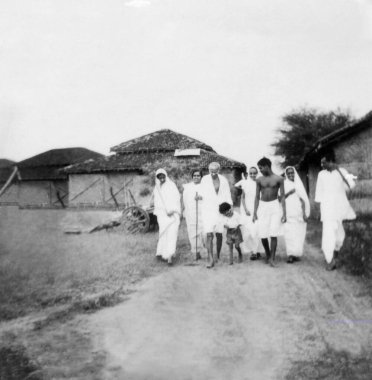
pixel 301 129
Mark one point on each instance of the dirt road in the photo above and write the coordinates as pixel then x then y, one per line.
pixel 246 321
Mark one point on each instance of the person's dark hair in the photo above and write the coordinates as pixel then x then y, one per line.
pixel 264 162
pixel 329 155
pixel 197 170
pixel 224 207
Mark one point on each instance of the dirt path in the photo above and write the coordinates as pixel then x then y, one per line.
pixel 246 321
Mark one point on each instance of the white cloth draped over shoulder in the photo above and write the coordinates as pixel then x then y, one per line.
pixel 251 239
pixel 193 215
pixel 167 200
pixel 330 192
pixel 295 227
pixel 212 200
pixel 334 208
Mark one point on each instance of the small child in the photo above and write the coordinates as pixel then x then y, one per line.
pixel 234 235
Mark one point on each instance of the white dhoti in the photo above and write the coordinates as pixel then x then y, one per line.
pixel 251 238
pixel 334 208
pixel 193 216
pixel 212 222
pixel 167 201
pixel 212 219
pixel 294 236
pixel 168 233
pixel 196 236
pixel 297 206
pixel 269 219
pixel 333 236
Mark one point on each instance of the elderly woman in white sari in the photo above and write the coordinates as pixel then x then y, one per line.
pixel 167 208
pixel 298 211
pixel 251 238
pixel 191 200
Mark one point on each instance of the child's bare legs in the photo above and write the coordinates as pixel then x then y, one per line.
pixel 231 261
pixel 265 243
pixel 219 244
pixel 209 245
pixel 237 246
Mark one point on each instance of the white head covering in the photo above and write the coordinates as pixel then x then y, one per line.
pixel 298 186
pixel 160 171
pixel 166 196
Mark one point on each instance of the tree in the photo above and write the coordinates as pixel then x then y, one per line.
pixel 303 128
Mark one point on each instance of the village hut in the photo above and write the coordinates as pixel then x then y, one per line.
pixel 123 178
pixel 352 146
pixel 40 183
pixel 9 196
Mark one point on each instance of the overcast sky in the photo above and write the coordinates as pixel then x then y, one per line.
pixel 97 73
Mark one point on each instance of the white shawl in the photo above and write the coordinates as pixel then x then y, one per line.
pixel 166 196
pixel 299 188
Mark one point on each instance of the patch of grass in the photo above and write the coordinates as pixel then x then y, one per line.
pixel 87 305
pixel 335 365
pixel 15 365
pixel 40 266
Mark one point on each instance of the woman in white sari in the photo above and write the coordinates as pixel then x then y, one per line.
pixel 167 208
pixel 298 211
pixel 192 211
pixel 251 239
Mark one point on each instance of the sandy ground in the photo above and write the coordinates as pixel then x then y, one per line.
pixel 246 321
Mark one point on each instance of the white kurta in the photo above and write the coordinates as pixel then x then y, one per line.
pixel 167 199
pixel 334 208
pixel 295 227
pixel 212 200
pixel 251 239
pixel 193 216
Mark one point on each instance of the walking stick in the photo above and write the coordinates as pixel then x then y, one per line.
pixel 196 235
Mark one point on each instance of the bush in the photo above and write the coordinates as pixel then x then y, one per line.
pixel 356 252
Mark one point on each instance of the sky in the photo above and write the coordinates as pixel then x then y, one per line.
pixel 93 74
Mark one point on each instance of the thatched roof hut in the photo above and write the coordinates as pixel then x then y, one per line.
pixel 125 170
pixel 40 181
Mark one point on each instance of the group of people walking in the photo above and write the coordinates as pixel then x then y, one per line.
pixel 271 206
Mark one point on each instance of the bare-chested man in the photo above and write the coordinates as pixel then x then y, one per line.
pixel 267 208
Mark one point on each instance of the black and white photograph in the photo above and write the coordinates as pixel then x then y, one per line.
pixel 185 190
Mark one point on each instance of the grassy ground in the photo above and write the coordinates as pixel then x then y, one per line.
pixel 51 279
pixel 335 365
pixel 40 266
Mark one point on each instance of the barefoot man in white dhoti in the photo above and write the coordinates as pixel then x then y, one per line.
pixel 192 203
pixel 215 189
pixel 331 187
pixel 167 208
pixel 267 210
pixel 249 229
pixel 298 210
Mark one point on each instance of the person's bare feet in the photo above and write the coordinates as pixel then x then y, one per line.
pixel 331 266
pixel 211 264
pixel 170 261
pixel 272 263
pixel 290 260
